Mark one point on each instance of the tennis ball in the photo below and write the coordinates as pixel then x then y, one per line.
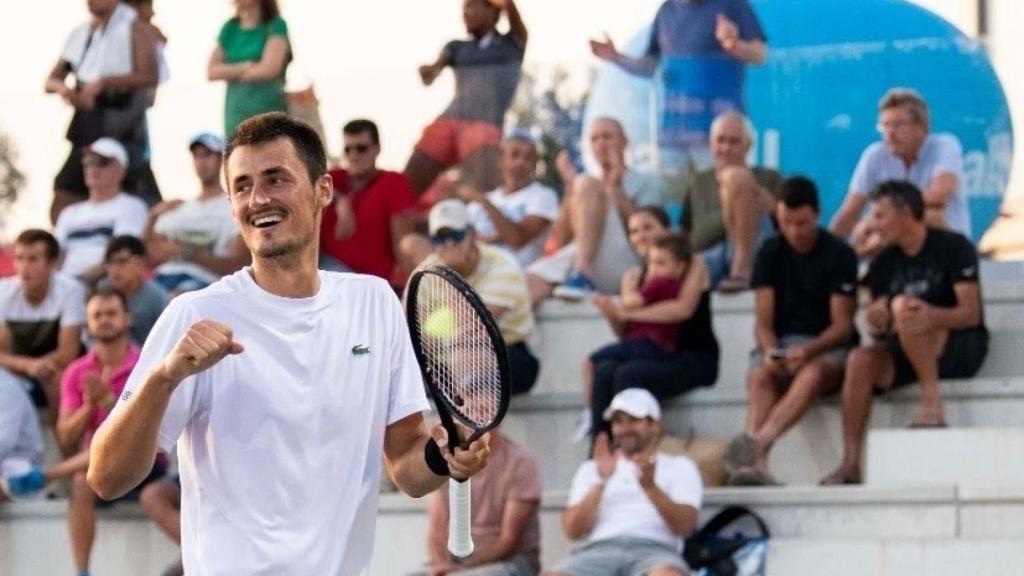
pixel 440 324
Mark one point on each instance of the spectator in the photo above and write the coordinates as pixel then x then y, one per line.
pixel 85 228
pixel 21 441
pixel 726 209
pixel 589 234
pixel 720 32
pixel 805 283
pixel 496 277
pixel 925 312
pixel 932 162
pixel 517 214
pixel 125 264
pixel 630 508
pixel 505 523
pixel 372 209
pixel 252 56
pixel 89 389
pixel 192 243
pixel 664 314
pixel 115 69
pixel 162 503
pixel 487 68
pixel 43 313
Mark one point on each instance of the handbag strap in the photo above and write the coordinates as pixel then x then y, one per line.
pixel 731 514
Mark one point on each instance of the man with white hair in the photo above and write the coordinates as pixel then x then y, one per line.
pixel 630 508
pixel 726 208
pixel 84 228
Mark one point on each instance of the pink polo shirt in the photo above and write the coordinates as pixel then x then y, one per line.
pixel 73 388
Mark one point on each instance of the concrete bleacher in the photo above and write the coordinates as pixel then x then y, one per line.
pixel 916 515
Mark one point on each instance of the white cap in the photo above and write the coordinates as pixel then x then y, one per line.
pixel 636 402
pixel 109 148
pixel 208 140
pixel 451 214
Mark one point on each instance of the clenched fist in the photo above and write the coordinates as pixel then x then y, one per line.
pixel 205 344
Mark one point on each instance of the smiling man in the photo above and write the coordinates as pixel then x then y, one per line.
pixel 258 379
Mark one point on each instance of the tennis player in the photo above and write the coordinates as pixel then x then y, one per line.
pixel 281 385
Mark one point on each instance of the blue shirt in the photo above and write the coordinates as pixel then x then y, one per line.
pixel 685 28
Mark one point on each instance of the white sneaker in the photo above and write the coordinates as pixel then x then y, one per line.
pixel 582 426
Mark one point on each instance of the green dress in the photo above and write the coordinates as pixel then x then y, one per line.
pixel 247 99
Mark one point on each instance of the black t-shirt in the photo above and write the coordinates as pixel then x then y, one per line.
pixel 804 283
pixel 945 259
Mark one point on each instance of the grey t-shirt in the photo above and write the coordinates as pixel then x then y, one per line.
pixel 146 306
pixel 487 72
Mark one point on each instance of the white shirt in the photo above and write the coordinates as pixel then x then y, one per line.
pixel 35 328
pixel 280 446
pixel 84 229
pixel 625 510
pixel 198 224
pixel 535 199
pixel 109 51
pixel 940 153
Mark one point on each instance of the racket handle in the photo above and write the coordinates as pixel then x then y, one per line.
pixel 460 539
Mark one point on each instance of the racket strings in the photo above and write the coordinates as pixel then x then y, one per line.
pixel 458 351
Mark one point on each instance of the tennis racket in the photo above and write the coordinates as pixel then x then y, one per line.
pixel 465 365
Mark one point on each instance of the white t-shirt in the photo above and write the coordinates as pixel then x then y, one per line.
pixel 84 229
pixel 205 225
pixel 280 447
pixel 35 329
pixel 939 153
pixel 625 510
pixel 533 200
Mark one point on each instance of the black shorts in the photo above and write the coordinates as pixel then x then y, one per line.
pixel 71 177
pixel 962 358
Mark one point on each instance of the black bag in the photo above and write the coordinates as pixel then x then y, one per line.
pixel 712 552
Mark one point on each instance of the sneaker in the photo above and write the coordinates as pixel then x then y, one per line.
pixel 26 484
pixel 576 287
pixel 582 427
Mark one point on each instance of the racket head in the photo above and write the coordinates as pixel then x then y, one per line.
pixel 459 349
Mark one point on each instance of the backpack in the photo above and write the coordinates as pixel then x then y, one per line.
pixel 711 551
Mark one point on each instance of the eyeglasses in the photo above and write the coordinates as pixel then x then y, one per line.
pixel 357 148
pixel 97 162
pixel 884 127
pixel 120 260
pixel 442 237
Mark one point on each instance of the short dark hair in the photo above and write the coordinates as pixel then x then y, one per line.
pixel 901 193
pixel 799 191
pixel 133 245
pixel 273 125
pixel 109 292
pixel 38 236
pixel 656 212
pixel 678 245
pixel 361 126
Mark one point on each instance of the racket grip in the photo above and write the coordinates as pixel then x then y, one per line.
pixel 460 539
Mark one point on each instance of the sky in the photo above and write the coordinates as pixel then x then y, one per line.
pixel 361 57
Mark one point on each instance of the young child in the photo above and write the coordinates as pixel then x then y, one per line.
pixel 487 69
pixel 666 265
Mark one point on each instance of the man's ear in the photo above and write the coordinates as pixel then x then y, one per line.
pixel 324 190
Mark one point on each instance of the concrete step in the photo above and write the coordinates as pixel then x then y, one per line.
pixel 974 456
pixel 546 422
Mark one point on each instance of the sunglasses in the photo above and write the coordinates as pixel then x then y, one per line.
pixel 442 237
pixel 97 162
pixel 357 148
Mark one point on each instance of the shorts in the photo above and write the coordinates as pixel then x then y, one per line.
pixel 613 258
pixel 621 557
pixel 836 356
pixel 962 357
pixel 719 257
pixel 450 140
pixel 158 471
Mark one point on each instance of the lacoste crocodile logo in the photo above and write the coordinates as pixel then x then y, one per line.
pixel 359 350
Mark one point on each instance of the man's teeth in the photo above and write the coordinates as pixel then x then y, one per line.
pixel 264 220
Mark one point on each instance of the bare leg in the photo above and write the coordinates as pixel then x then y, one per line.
pixel 762 394
pixel 742 208
pixel 81 521
pixel 539 288
pixel 923 351
pixel 162 503
pixel 587 389
pixel 587 215
pixel 866 368
pixel 70 467
pixel 480 168
pixel 421 171
pixel 666 571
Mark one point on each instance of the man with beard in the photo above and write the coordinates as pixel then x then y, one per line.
pixel 629 509
pixel 89 389
pixel 284 384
